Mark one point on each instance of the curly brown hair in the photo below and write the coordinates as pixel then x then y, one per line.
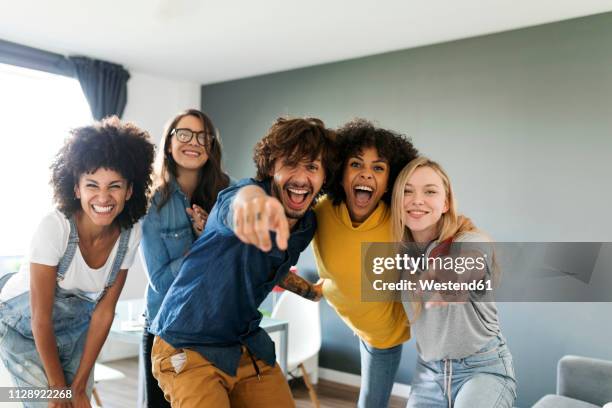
pixel 107 144
pixel 358 134
pixel 295 140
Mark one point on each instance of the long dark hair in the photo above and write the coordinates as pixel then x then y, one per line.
pixel 211 177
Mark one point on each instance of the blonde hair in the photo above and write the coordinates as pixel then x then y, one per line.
pixel 450 224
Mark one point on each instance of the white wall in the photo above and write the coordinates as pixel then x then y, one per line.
pixel 151 102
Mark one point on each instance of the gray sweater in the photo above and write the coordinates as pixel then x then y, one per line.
pixel 456 330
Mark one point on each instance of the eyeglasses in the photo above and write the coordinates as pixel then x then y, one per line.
pixel 185 136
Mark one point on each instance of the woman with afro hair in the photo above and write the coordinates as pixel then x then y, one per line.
pixel 357 210
pixel 56 312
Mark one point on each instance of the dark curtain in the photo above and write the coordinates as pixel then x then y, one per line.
pixel 33 58
pixel 104 85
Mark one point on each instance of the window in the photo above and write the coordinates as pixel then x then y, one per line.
pixel 37 110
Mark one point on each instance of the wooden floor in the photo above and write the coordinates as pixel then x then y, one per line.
pixel 123 393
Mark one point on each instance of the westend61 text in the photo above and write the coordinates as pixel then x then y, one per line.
pixel 432 285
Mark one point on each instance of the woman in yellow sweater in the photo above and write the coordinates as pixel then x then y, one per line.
pixel 356 210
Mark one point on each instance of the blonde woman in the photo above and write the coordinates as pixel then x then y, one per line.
pixel 463 360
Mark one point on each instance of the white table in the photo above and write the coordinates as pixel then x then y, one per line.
pixel 130 310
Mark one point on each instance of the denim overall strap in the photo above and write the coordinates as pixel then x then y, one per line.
pixel 121 251
pixel 73 243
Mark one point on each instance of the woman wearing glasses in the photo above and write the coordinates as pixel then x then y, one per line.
pixel 188 177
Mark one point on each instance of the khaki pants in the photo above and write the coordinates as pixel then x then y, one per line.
pixel 189 380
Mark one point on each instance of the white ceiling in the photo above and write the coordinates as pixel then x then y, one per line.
pixel 210 41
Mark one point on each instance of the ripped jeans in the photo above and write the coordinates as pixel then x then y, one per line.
pixel 20 357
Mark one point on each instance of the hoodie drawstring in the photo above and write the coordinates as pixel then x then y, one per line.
pixel 448 380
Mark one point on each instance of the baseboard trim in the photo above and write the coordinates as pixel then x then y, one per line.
pixel 354 380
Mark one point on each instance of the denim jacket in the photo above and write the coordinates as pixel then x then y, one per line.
pixel 167 235
pixel 212 306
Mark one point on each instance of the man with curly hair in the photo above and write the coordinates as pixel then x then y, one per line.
pixel 209 350
pixel 56 312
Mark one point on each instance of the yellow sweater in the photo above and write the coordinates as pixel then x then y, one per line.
pixel 337 248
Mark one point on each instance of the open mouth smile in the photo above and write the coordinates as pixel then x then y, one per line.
pixel 363 195
pixel 297 197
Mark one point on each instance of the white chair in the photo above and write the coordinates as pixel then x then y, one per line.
pixel 104 373
pixel 304 335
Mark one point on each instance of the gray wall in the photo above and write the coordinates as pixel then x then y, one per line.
pixel 521 120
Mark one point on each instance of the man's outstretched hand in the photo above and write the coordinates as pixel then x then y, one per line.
pixel 255 214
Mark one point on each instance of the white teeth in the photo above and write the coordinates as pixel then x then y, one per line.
pixel 191 153
pixel 418 212
pixel 297 191
pixel 364 188
pixel 102 209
